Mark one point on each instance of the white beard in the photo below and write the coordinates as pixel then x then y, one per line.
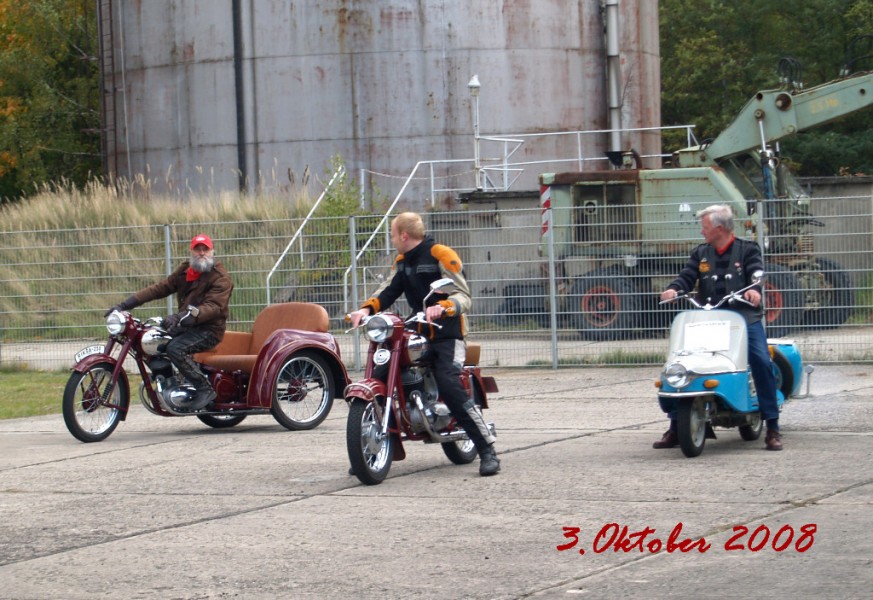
pixel 202 264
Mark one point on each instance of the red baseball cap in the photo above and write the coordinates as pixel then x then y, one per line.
pixel 201 239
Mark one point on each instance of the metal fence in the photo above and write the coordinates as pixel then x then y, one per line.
pixel 577 309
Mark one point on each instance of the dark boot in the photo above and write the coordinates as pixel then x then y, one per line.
pixel 489 464
pixel 668 440
pixel 205 395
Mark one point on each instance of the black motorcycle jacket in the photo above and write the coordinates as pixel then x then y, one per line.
pixel 412 274
pixel 718 274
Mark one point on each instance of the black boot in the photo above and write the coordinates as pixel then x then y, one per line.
pixel 205 395
pixel 489 464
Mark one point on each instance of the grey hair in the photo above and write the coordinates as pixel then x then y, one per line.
pixel 719 214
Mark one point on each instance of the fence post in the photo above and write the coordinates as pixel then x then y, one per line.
pixel 356 335
pixel 168 265
pixel 548 228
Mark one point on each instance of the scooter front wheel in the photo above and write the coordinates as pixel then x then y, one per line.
pixel 370 453
pixel 691 427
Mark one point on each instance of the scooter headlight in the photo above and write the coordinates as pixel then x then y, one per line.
pixel 378 329
pixel 115 322
pixel 677 375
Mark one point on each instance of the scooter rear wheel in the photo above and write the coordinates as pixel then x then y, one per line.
pixel 752 432
pixel 691 427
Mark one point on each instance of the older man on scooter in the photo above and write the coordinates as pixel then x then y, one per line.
pixel 723 264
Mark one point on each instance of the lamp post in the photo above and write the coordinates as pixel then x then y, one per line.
pixel 474 86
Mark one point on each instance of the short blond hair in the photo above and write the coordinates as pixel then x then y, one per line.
pixel 411 224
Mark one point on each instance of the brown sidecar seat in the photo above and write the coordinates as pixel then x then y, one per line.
pixel 238 351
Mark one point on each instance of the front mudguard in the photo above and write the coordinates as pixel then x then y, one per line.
pixel 369 390
pixel 282 344
pixel 87 363
pixel 731 394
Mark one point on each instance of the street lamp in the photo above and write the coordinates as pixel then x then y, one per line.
pixel 474 86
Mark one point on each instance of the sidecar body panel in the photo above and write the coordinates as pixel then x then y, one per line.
pixel 278 348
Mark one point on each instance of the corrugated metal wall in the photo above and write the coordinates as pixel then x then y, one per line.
pixel 383 84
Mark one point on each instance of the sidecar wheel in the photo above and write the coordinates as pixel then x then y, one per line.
pixel 463 452
pixel 783 373
pixel 303 392
pixel 85 412
pixel 752 432
pixel 222 421
pixel 369 454
pixel 691 427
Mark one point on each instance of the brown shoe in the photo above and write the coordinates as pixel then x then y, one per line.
pixel 773 440
pixel 668 440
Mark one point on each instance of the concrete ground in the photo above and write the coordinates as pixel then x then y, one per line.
pixel 168 508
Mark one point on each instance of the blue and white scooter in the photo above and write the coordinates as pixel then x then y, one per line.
pixel 706 379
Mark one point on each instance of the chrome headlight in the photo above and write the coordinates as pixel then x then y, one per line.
pixel 378 329
pixel 151 339
pixel 115 322
pixel 418 347
pixel 677 375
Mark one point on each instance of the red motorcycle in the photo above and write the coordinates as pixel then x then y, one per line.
pixel 376 428
pixel 276 369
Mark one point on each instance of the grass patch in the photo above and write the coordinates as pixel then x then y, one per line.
pixel 31 393
pixel 616 358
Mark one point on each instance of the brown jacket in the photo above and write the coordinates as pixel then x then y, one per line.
pixel 210 293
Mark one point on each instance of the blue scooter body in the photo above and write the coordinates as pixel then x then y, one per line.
pixel 708 365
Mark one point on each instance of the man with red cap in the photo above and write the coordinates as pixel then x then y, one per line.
pixel 202 282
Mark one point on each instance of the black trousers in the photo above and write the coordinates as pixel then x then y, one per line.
pixel 181 349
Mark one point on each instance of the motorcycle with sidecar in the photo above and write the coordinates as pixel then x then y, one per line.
pixel 706 381
pixel 406 406
pixel 288 366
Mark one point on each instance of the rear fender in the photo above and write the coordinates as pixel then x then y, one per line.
pixel 485 385
pixel 282 344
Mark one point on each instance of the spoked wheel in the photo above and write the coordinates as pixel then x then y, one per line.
pixel 463 452
pixel 370 453
pixel 222 421
pixel 752 431
pixel 692 427
pixel 85 409
pixel 303 392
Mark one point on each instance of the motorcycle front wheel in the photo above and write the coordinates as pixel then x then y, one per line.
pixel 303 392
pixel 463 452
pixel 370 454
pixel 691 427
pixel 84 406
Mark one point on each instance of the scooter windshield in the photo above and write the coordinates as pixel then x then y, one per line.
pixel 721 331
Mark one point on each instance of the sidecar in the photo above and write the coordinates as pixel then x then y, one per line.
pixel 288 365
pixel 706 379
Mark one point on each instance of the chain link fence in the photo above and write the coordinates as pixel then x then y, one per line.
pixel 532 306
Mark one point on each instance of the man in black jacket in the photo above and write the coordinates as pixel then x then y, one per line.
pixel 420 262
pixel 202 282
pixel 723 264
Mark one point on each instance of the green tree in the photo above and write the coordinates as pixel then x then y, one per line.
pixel 716 54
pixel 49 94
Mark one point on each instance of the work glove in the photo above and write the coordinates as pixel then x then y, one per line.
pixel 128 304
pixel 174 324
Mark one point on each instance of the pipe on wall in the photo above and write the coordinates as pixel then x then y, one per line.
pixel 239 94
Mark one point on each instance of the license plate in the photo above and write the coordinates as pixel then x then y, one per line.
pixel 99 349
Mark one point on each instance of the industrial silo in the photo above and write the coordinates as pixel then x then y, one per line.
pixel 203 95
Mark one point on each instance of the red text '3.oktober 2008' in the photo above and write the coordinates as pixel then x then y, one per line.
pixel 620 538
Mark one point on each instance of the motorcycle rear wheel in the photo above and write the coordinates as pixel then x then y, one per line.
pixel 691 427
pixel 369 453
pixel 463 452
pixel 221 421
pixel 85 413
pixel 303 392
